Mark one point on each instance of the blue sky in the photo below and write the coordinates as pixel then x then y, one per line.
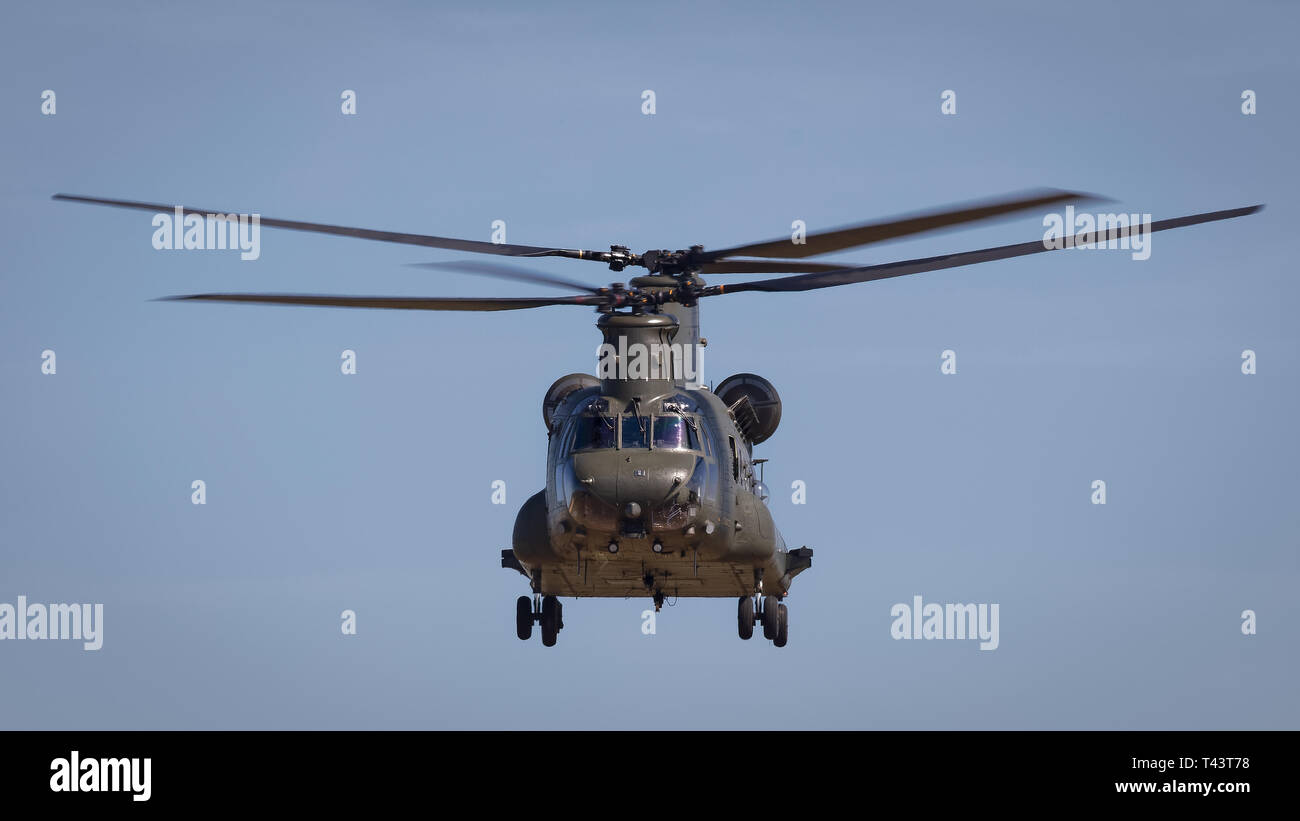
pixel 372 492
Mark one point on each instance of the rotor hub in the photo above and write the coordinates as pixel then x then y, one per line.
pixel 673 263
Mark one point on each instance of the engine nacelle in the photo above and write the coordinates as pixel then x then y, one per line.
pixel 754 402
pixel 560 389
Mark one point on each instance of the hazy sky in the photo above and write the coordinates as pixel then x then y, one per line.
pixel 372 492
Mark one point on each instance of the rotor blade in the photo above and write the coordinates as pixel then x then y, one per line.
pixel 398 302
pixel 848 276
pixel 852 236
pixel 767 266
pixel 360 233
pixel 494 269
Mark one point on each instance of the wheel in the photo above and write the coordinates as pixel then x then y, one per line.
pixel 524 618
pixel 745 617
pixel 771 616
pixel 783 631
pixel 550 620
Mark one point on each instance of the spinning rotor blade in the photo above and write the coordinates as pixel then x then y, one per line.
pixel 361 233
pixel 853 236
pixel 746 266
pixel 409 303
pixel 493 269
pixel 767 266
pixel 848 276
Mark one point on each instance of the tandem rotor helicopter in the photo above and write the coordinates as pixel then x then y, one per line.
pixel 650 477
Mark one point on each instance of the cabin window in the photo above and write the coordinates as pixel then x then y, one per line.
pixel 705 439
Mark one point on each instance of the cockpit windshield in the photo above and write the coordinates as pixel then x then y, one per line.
pixel 594 432
pixel 674 433
pixel 669 432
pixel 634 431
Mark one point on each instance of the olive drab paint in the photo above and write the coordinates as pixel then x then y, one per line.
pixel 651 485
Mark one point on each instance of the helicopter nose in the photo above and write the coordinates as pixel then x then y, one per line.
pixel 597 474
pixel 632 489
pixel 647 478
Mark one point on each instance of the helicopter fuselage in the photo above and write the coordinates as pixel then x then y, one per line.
pixel 651 488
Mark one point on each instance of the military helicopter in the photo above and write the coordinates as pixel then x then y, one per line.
pixel 651 487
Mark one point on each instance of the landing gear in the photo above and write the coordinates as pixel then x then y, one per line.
pixel 773 615
pixel 783 631
pixel 524 618
pixel 544 610
pixel 745 617
pixel 551 620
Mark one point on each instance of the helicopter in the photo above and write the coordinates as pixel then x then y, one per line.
pixel 651 485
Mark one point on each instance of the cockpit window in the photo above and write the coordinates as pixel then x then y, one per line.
pixel 594 432
pixel 675 433
pixel 634 431
pixel 670 432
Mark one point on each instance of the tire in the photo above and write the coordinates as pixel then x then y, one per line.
pixel 745 617
pixel 550 620
pixel 783 632
pixel 524 618
pixel 771 616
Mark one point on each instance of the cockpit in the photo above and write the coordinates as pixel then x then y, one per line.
pixel 657 459
pixel 628 431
